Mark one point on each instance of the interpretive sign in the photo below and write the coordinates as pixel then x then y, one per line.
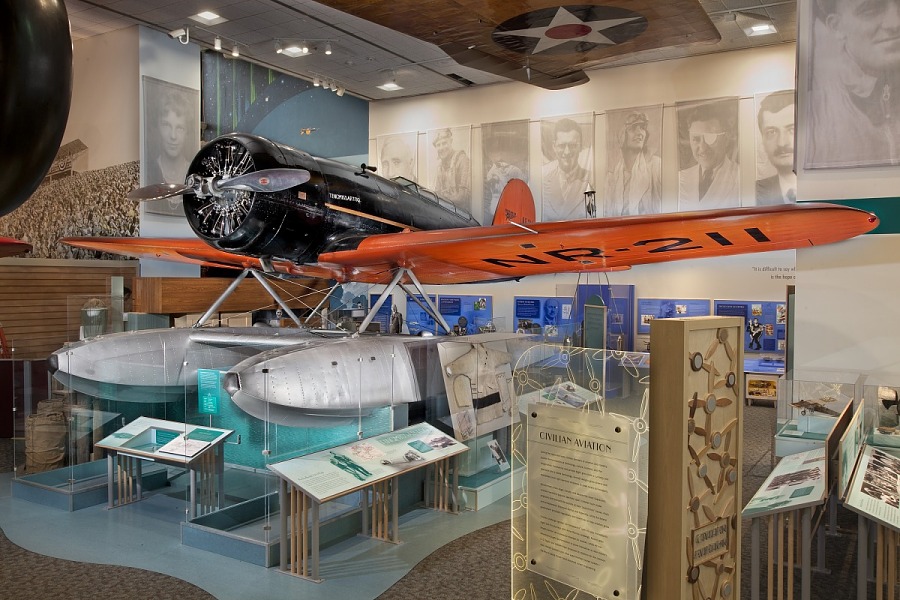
pixel 331 473
pixel 874 490
pixel 580 514
pixel 797 481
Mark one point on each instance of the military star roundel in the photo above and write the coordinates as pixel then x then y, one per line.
pixel 569 29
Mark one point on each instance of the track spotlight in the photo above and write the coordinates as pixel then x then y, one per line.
pixel 316 81
pixel 304 48
pixel 328 48
pixel 333 87
pixel 278 47
pixel 340 91
pixel 218 43
pixel 234 51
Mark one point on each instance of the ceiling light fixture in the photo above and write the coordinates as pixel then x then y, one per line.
pixel 754 24
pixel 332 86
pixel 316 81
pixel 328 48
pixel 207 16
pixel 218 43
pixel 340 91
pixel 278 47
pixel 304 48
pixel 234 51
pixel 391 84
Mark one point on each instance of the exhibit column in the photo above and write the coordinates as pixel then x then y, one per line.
pixel 694 525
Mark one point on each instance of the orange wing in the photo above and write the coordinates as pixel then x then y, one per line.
pixel 11 247
pixel 511 251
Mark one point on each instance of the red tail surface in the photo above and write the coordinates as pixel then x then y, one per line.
pixel 516 204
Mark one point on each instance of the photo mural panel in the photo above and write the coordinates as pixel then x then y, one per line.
pixel 397 155
pixel 852 97
pixel 450 164
pixel 567 151
pixel 634 166
pixel 776 180
pixel 504 152
pixel 709 174
pixel 171 138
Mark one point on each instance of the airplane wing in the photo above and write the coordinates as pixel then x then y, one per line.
pixel 511 251
pixel 540 42
pixel 11 247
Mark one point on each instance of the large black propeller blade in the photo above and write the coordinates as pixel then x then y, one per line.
pixel 158 191
pixel 267 180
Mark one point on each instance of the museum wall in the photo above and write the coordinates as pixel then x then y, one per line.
pixel 742 74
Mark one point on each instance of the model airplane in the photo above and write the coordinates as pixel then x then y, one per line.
pixel 11 247
pixel 539 42
pixel 255 203
pixel 817 405
pixel 34 39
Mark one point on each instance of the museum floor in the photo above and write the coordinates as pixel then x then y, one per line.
pixel 463 557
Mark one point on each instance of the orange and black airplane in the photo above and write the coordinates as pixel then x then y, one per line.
pixel 254 203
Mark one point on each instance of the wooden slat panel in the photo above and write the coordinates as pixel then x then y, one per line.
pixel 40 301
pixel 176 295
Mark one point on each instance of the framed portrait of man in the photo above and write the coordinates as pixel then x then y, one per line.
pixel 709 174
pixel 776 179
pixel 449 152
pixel 852 96
pixel 504 152
pixel 397 155
pixel 633 166
pixel 171 138
pixel 567 151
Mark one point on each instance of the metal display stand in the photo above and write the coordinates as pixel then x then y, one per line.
pixel 308 481
pixel 141 441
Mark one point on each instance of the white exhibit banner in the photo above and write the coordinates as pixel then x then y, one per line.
pixel 581 523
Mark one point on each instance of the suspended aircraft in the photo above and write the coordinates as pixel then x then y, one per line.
pixel 256 204
pixel 36 71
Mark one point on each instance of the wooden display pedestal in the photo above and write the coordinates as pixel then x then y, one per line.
pixel 696 399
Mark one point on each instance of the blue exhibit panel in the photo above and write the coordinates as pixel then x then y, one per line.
pixel 765 323
pixel 549 316
pixel 468 314
pixel 417 318
pixel 383 316
pixel 619 303
pixel 667 308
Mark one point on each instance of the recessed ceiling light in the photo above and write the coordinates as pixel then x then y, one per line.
pixel 761 29
pixel 390 86
pixel 208 18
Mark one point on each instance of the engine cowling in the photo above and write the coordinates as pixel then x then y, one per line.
pixel 286 224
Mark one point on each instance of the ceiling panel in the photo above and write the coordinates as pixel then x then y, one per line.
pixel 365 54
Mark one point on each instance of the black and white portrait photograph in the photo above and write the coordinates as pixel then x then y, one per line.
pixel 397 155
pixel 708 154
pixel 852 99
pixel 450 164
pixel 504 151
pixel 633 167
pixel 171 138
pixel 776 180
pixel 567 149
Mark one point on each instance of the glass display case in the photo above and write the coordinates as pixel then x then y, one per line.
pixel 761 375
pixel 808 405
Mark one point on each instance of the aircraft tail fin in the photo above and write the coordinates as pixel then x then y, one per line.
pixel 516 204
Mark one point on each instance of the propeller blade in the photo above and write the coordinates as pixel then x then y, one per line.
pixel 267 180
pixel 158 191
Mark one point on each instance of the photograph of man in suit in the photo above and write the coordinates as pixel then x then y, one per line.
pixel 713 180
pixel 775 118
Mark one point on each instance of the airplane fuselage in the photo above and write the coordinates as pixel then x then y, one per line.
pixel 335 210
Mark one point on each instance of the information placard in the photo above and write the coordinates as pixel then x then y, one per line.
pixel 580 508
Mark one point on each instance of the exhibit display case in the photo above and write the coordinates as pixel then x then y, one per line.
pixel 808 405
pixel 579 461
pixel 761 375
